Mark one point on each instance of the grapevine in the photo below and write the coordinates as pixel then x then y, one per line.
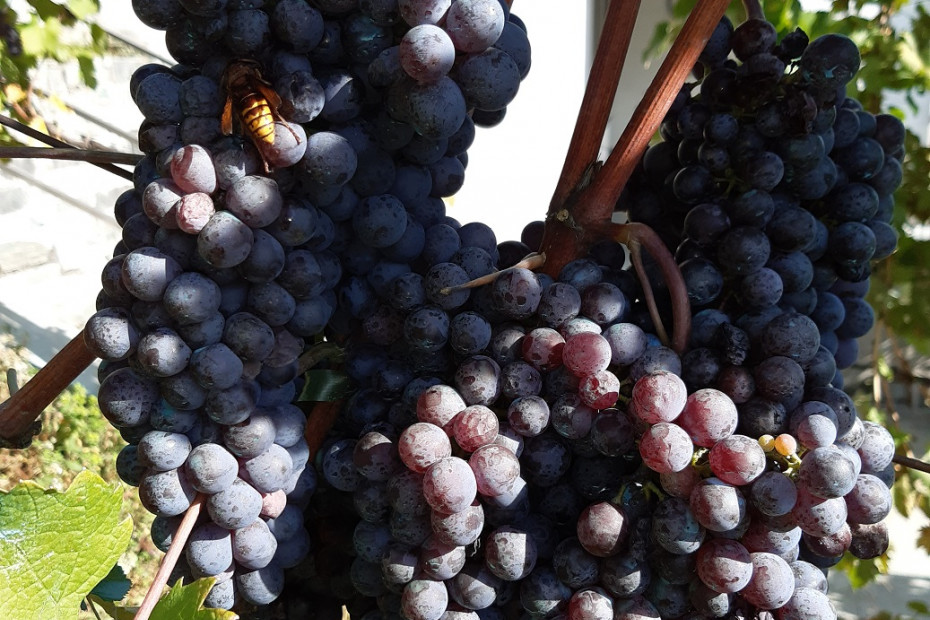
pixel 336 395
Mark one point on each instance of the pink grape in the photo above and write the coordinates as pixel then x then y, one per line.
pixel 495 468
pixel 737 459
pixel 449 485
pixel 586 353
pixel 599 390
pixel 602 529
pixel 474 426
pixel 724 565
pixel 665 448
pixel 709 415
pixel 772 582
pixel 659 397
pixel 438 404
pixel 459 528
pixel 423 444
pixel 542 348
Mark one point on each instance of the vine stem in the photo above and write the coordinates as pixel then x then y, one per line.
pixel 598 99
pixel 171 559
pixel 70 154
pixel 24 407
pixel 571 227
pixel 637 236
pixel 6 121
pixel 911 463
pixel 606 187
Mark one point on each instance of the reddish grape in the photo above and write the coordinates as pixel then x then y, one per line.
pixel 737 459
pixel 495 468
pixel 816 516
pixel 449 485
pixel 474 426
pixel 659 397
pixel 438 404
pixel 724 565
pixel 709 415
pixel 586 353
pixel 716 505
pixel 602 529
pixel 542 348
pixel 459 528
pixel 590 604
pixel 424 599
pixel 665 448
pixel 423 444
pixel 599 390
pixel 509 553
pixel 772 582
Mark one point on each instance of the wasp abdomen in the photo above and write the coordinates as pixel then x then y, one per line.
pixel 258 118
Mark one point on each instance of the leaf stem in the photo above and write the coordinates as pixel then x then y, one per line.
pixel 24 407
pixel 70 154
pixel 171 559
pixel 6 121
pixel 612 49
pixel 92 607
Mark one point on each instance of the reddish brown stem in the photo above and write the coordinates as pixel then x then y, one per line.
pixel 320 420
pixel 598 100
pixel 71 154
pixel 6 121
pixel 607 185
pixel 24 407
pixel 171 559
pixel 585 218
pixel 635 235
pixel 912 463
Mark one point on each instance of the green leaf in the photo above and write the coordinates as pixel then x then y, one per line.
pixel 324 385
pixel 186 602
pixel 57 546
pixel 861 572
pixel 114 586
pixel 919 606
pixel 82 9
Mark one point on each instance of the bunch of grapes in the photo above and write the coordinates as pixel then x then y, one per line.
pixel 295 155
pixel 524 446
pixel 529 446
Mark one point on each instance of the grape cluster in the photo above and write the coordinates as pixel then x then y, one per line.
pixel 529 446
pixel 523 446
pixel 294 158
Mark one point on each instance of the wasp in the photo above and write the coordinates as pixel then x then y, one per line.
pixel 254 102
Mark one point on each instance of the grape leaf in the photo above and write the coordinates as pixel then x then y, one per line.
pixel 923 539
pixel 186 602
pixel 55 547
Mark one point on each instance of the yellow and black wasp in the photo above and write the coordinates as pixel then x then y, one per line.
pixel 254 102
